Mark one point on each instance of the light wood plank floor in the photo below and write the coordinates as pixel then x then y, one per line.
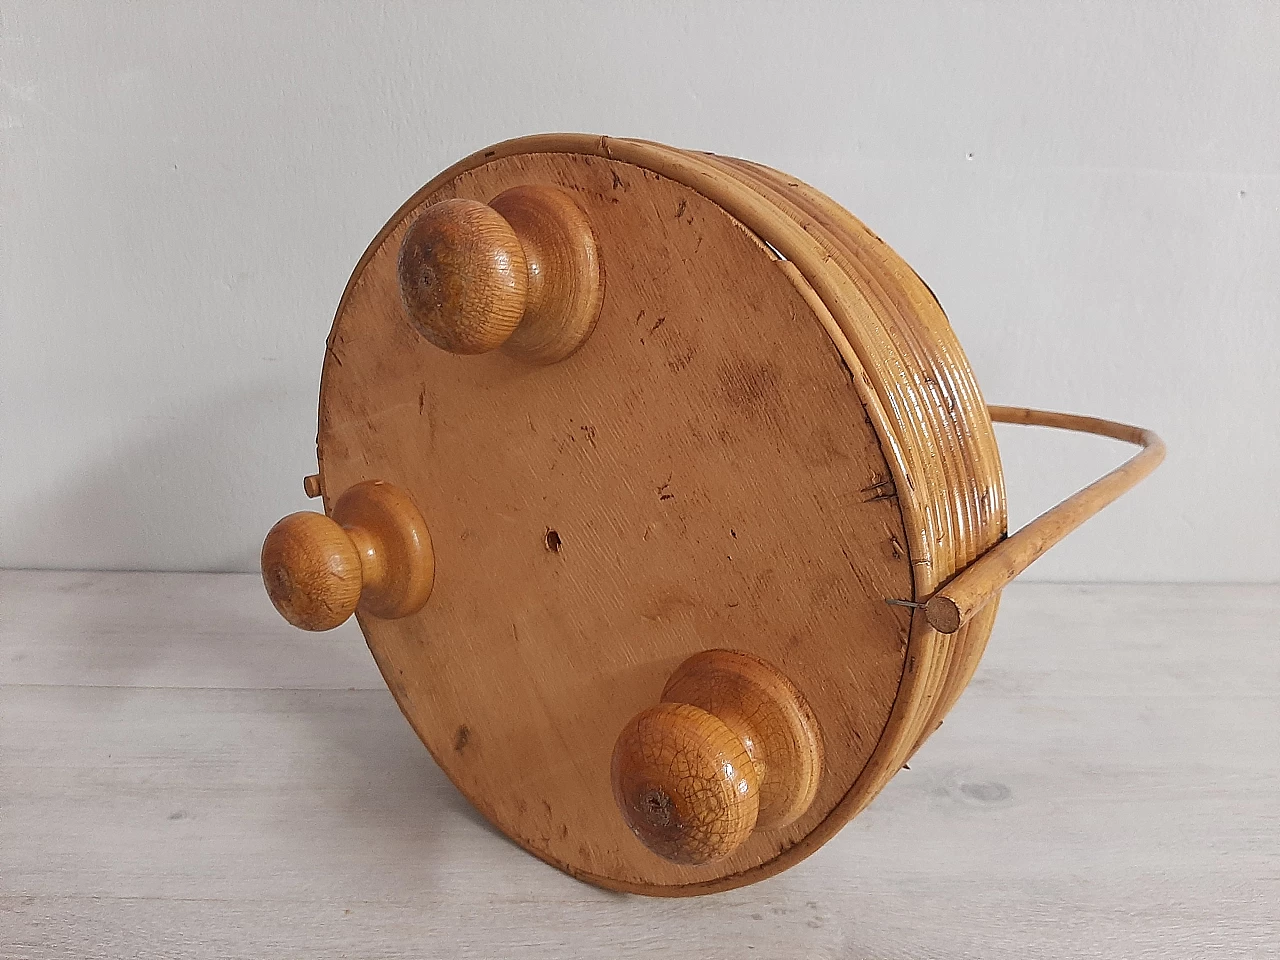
pixel 183 775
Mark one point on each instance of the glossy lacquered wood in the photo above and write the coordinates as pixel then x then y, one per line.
pixel 373 553
pixel 732 748
pixel 521 272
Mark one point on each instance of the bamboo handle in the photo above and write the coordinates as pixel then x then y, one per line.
pixel 974 587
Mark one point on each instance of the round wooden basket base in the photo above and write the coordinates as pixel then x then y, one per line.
pixel 701 474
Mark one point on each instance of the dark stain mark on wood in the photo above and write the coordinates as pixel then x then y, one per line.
pixel 680 352
pixel 848 559
pixel 461 738
pixel 750 386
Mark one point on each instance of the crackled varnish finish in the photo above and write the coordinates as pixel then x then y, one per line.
pixel 373 552
pixel 713 505
pixel 732 748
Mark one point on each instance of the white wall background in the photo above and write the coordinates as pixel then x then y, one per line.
pixel 1092 189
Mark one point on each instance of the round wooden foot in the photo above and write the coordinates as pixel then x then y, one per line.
pixel 732 748
pixel 373 554
pixel 522 273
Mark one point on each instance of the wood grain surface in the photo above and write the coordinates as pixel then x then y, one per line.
pixel 182 775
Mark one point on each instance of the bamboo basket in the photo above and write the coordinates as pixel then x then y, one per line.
pixel 666 500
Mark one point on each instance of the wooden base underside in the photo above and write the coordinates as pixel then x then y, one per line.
pixel 714 468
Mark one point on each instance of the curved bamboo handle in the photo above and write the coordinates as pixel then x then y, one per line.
pixel 973 587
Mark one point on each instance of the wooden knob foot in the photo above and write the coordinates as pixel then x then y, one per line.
pixel 733 747
pixel 522 273
pixel 373 554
